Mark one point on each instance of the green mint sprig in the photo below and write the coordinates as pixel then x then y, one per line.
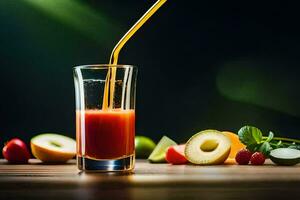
pixel 253 138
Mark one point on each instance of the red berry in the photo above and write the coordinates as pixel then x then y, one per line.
pixel 257 158
pixel 243 157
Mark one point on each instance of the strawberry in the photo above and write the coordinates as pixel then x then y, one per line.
pixel 243 157
pixel 257 158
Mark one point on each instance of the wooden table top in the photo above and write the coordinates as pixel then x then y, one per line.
pixel 149 181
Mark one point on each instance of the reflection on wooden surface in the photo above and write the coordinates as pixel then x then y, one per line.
pixel 149 181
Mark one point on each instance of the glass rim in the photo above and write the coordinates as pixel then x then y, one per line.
pixel 103 66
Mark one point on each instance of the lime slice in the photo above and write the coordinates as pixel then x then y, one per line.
pixel 143 146
pixel 159 153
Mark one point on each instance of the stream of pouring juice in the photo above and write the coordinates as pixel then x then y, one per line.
pixel 109 89
pixel 109 132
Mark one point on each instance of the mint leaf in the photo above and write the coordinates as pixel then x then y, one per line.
pixel 256 133
pixel 270 137
pixel 253 147
pixel 250 135
pixel 265 148
pixel 279 143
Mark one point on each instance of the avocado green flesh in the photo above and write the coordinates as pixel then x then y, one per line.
pixel 285 156
pixel 159 153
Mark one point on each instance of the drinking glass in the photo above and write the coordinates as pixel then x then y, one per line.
pixel 105 135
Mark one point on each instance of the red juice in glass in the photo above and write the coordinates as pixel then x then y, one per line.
pixel 105 124
pixel 105 134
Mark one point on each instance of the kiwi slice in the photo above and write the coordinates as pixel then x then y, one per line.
pixel 285 156
pixel 159 153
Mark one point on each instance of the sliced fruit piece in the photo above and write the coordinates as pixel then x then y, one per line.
pixel 230 161
pixel 236 144
pixel 143 146
pixel 53 148
pixel 159 153
pixel 285 156
pixel 208 147
pixel 175 155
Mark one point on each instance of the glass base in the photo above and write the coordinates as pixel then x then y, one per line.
pixel 125 164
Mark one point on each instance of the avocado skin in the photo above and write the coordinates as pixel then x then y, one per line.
pixel 285 162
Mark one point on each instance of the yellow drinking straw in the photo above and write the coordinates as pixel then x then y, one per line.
pixel 111 74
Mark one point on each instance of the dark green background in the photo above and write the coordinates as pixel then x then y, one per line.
pixel 202 64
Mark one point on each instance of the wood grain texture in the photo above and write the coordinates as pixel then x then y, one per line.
pixel 149 181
